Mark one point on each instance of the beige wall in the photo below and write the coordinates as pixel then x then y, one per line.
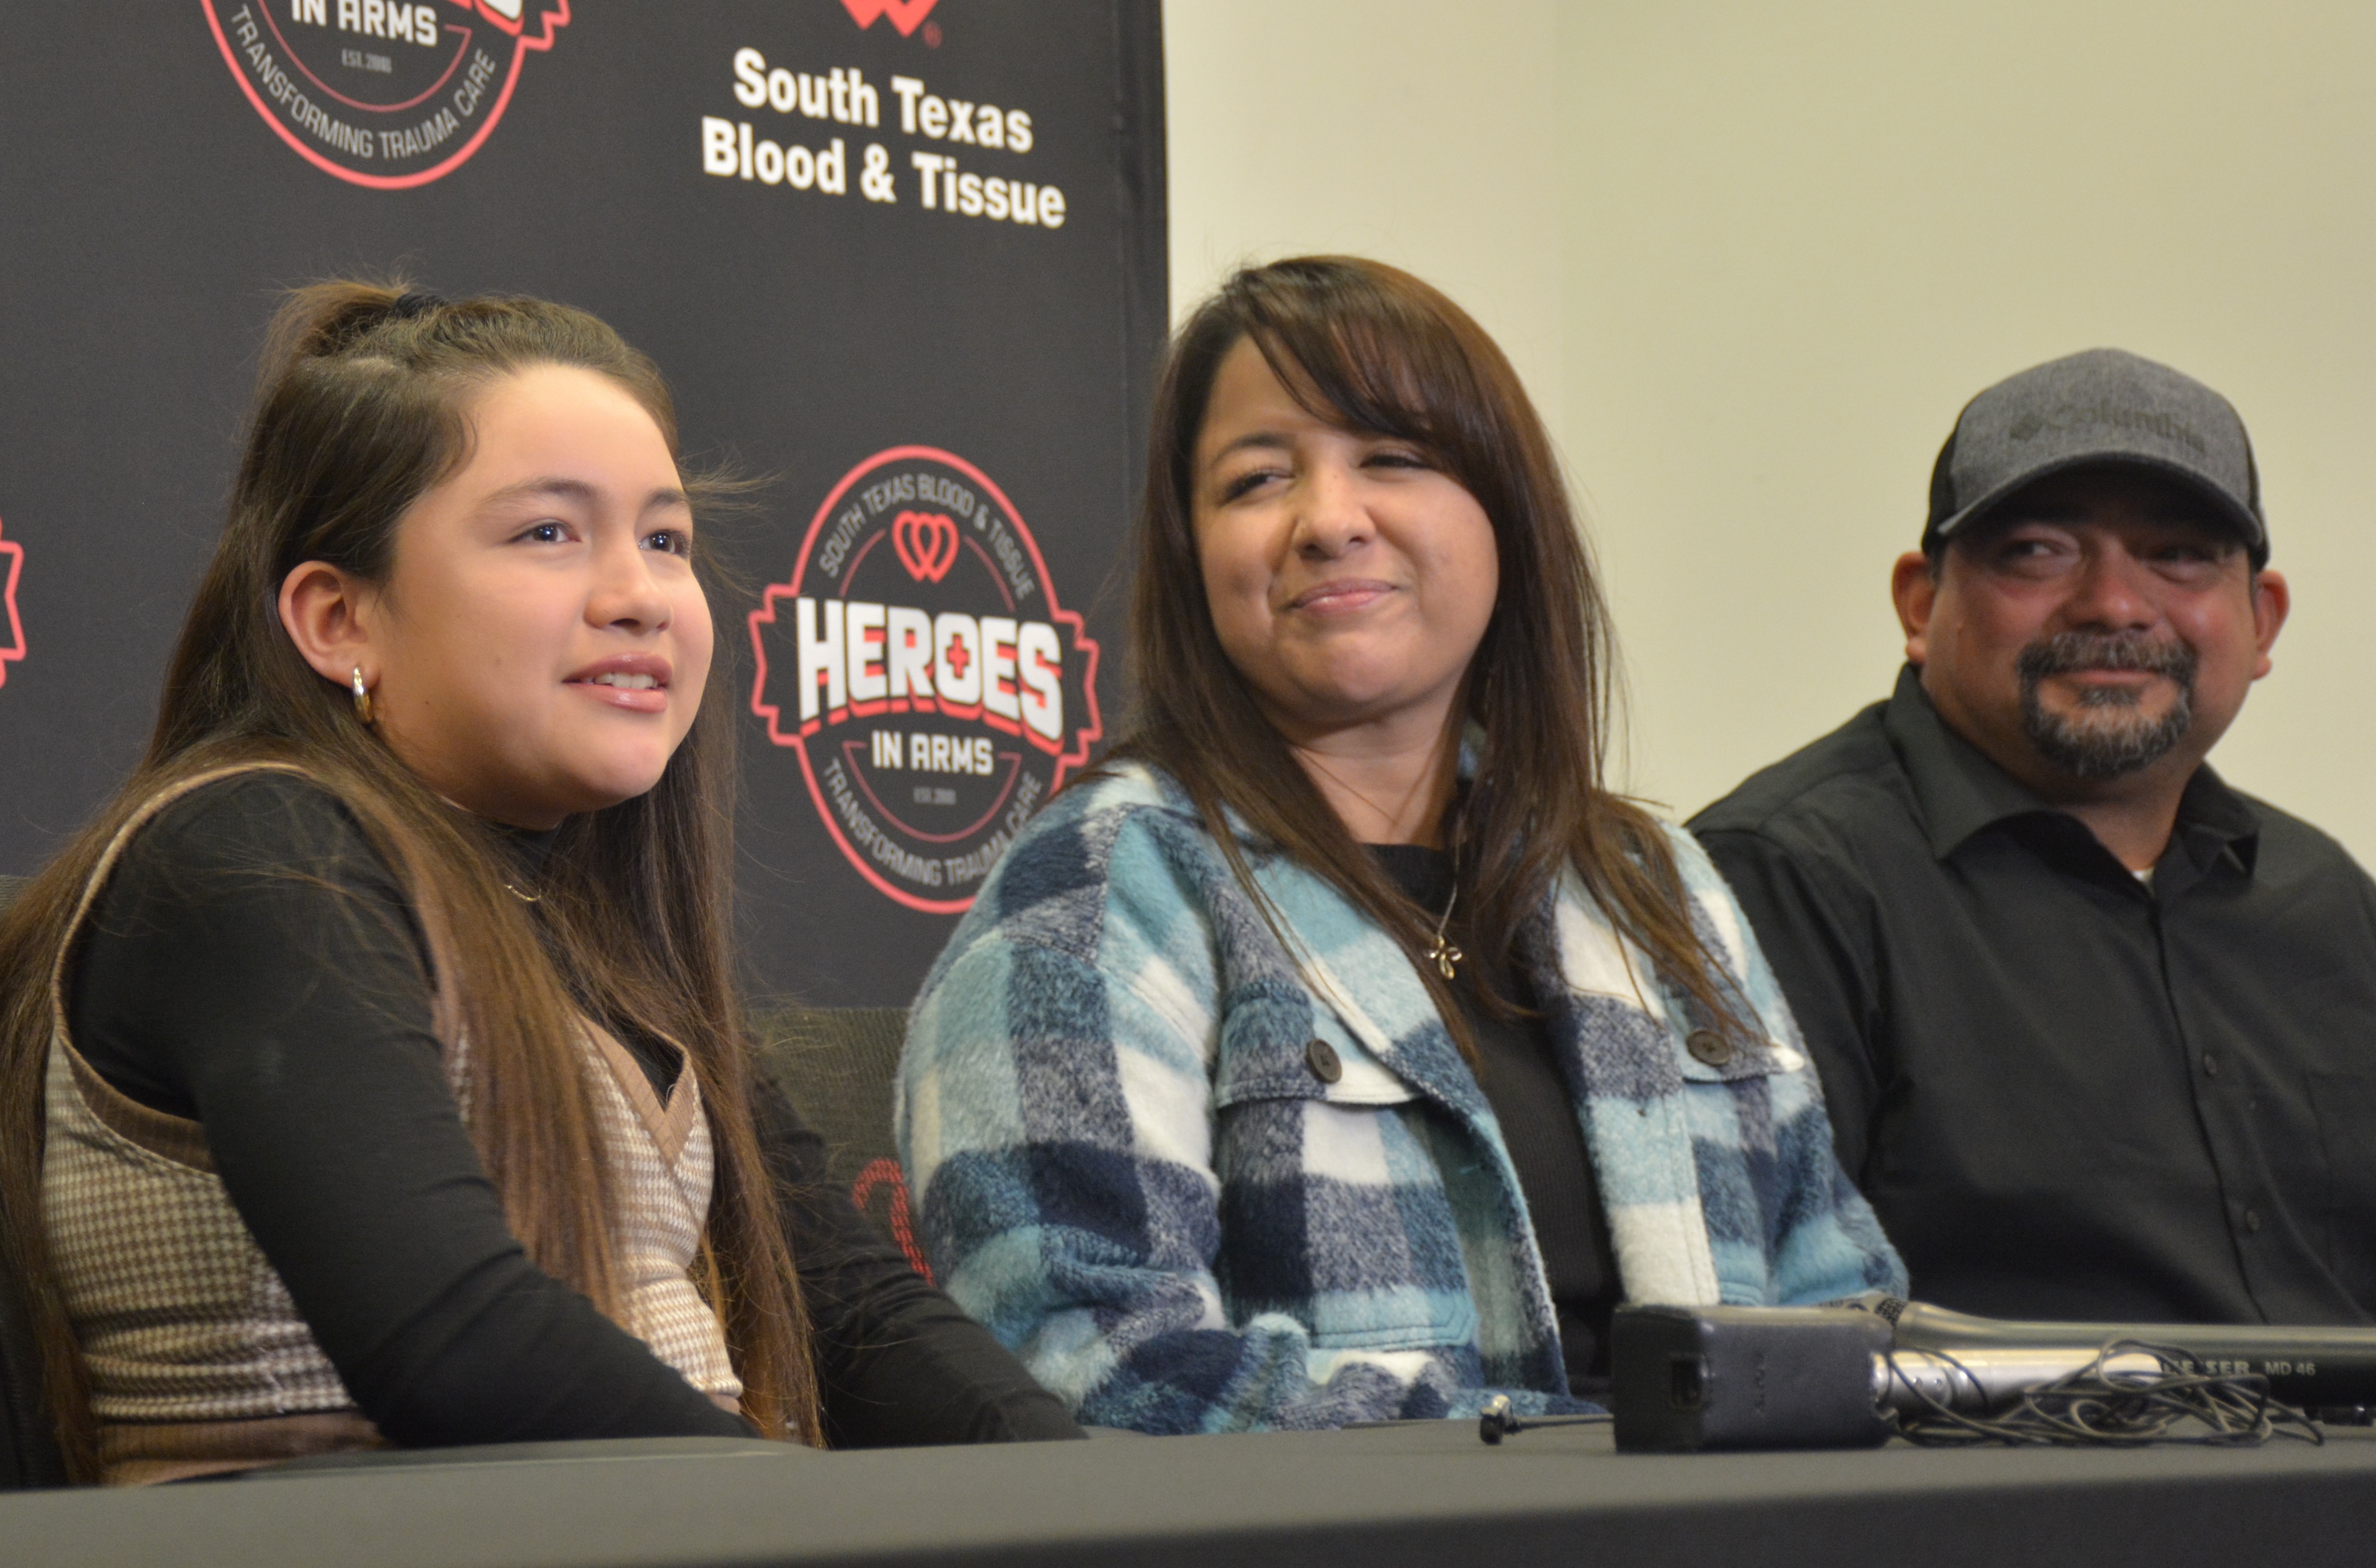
pixel 1751 259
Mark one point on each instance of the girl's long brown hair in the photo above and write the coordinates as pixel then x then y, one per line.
pixel 1373 349
pixel 362 406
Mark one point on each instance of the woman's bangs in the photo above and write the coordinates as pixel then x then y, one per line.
pixel 1360 375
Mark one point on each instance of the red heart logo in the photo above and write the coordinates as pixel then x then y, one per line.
pixel 927 544
pixel 905 15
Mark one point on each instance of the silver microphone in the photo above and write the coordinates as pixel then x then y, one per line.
pixel 1987 1379
pixel 2311 1367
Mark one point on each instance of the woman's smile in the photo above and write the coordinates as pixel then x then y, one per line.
pixel 1340 596
pixel 635 681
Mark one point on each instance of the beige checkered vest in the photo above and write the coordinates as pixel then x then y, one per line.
pixel 198 1361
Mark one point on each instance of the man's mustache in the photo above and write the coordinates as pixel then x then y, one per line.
pixel 2066 653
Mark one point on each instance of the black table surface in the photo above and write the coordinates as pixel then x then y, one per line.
pixel 1415 1494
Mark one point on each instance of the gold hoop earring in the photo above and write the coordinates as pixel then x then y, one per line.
pixel 362 698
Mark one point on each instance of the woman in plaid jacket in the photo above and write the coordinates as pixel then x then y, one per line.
pixel 1342 1051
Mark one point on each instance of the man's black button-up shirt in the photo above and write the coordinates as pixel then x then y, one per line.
pixel 2069 1092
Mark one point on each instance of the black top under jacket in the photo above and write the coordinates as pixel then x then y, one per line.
pixel 253 966
pixel 2070 1093
pixel 1523 1083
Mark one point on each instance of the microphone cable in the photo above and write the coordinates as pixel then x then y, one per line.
pixel 1498 1421
pixel 2098 1407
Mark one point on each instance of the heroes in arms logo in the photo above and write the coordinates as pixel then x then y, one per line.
pixel 384 93
pixel 920 665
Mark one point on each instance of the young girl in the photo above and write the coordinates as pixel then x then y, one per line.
pixel 1345 1050
pixel 372 1067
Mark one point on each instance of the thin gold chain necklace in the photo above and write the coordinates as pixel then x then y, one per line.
pixel 1440 952
pixel 1446 957
pixel 1385 817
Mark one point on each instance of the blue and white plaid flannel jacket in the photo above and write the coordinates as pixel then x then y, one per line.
pixel 1126 1167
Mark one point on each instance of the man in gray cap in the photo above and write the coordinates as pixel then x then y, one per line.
pixel 2097 1032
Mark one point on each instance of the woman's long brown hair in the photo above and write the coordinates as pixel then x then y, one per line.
pixel 1373 349
pixel 364 405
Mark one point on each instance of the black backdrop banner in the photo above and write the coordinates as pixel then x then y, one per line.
pixel 903 257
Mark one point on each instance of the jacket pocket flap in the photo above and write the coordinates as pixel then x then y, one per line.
pixel 1274 1053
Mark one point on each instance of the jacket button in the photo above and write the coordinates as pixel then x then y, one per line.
pixel 2253 1220
pixel 1706 1045
pixel 2210 1065
pixel 1321 1057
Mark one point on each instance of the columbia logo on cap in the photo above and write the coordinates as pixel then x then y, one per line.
pixel 2081 416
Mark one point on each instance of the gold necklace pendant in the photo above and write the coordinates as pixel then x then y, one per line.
pixel 1446 957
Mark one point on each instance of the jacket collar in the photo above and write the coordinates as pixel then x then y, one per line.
pixel 1958 793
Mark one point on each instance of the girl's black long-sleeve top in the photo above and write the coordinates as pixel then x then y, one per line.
pixel 254 966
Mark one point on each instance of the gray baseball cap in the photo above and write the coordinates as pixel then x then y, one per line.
pixel 2102 405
